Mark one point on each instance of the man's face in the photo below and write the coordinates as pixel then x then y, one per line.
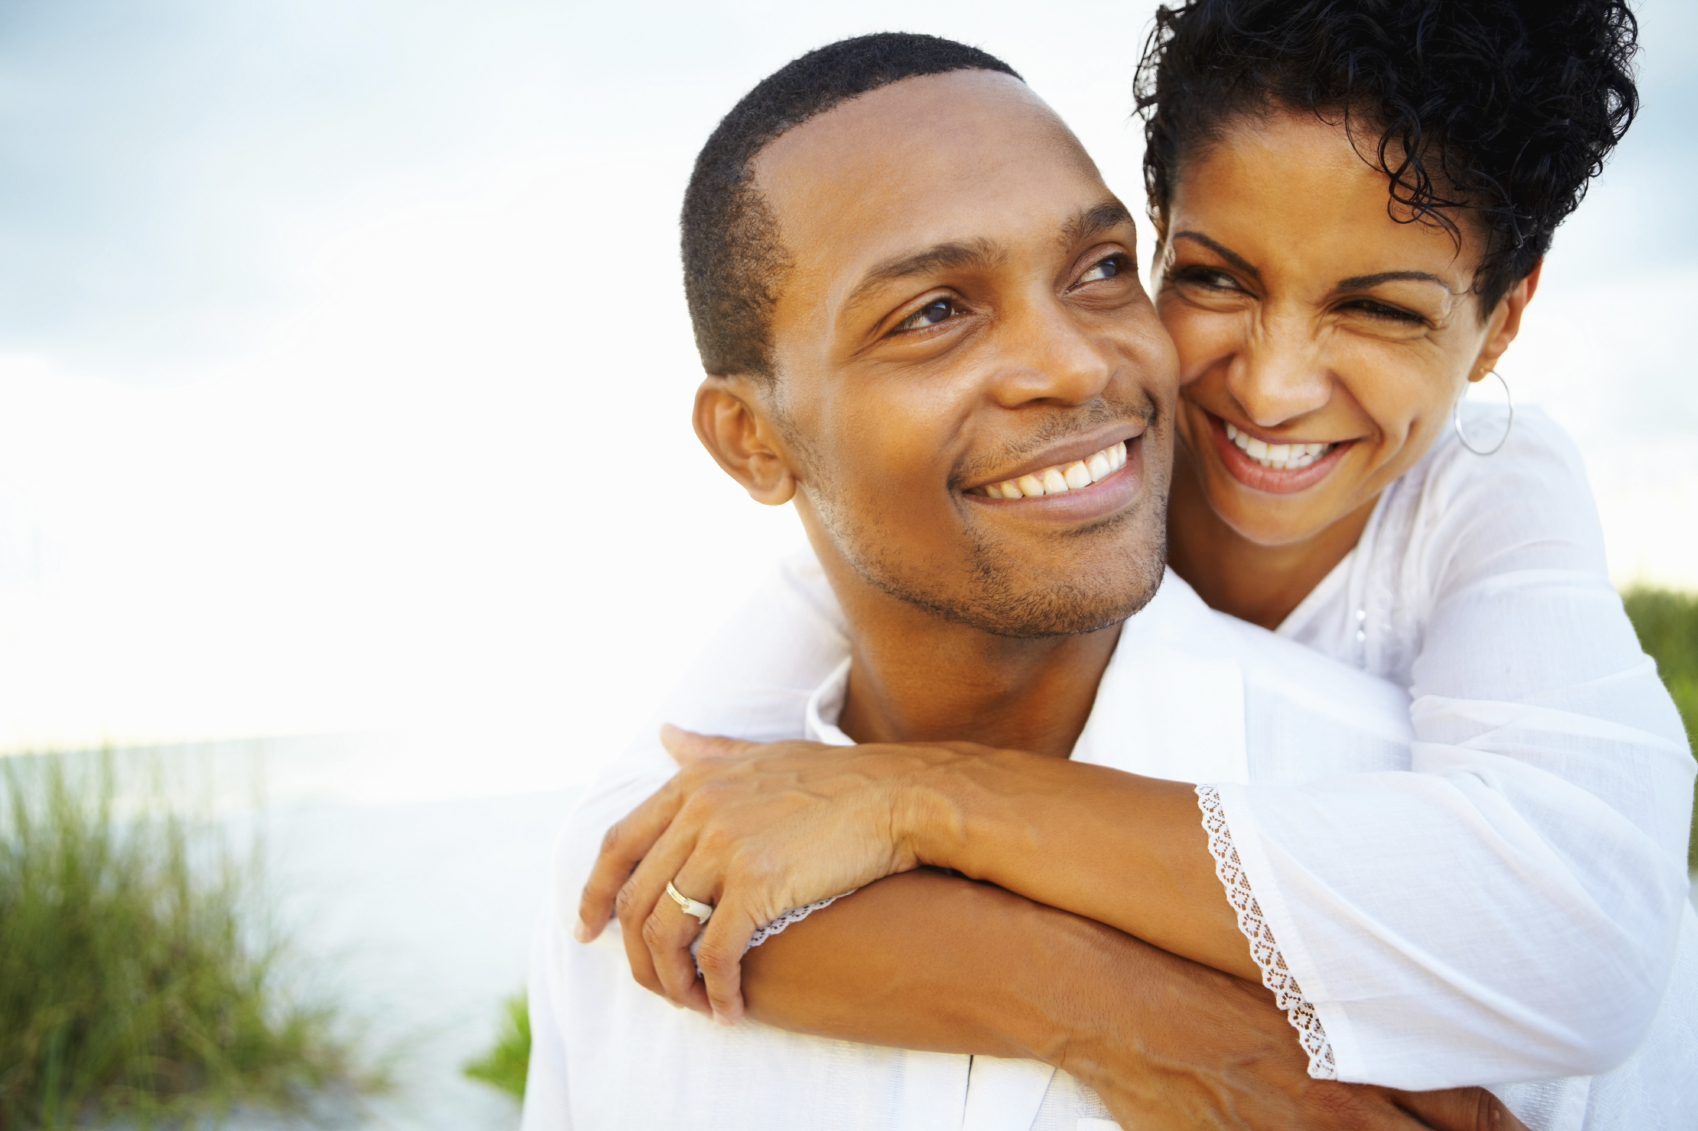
pixel 962 315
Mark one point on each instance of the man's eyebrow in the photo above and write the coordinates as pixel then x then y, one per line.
pixel 1221 250
pixel 966 253
pixel 1363 282
pixel 1092 222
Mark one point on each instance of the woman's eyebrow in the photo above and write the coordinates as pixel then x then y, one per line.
pixel 1363 282
pixel 1221 250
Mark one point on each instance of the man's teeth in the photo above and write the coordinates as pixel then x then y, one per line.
pixel 1282 457
pixel 1062 477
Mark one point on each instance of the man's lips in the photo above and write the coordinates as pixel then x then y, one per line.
pixel 1081 500
pixel 1059 456
pixel 1059 478
pixel 1252 472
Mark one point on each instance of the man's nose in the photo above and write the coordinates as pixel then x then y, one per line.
pixel 1281 372
pixel 1048 355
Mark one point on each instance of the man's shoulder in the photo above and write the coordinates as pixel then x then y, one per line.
pixel 1177 622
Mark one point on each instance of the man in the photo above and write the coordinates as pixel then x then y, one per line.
pixel 923 290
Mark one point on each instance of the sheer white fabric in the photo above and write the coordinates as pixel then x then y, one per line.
pixel 1498 892
pixel 1543 830
pixel 1264 948
pixel 1176 694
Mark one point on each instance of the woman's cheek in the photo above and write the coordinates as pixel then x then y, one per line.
pixel 1204 339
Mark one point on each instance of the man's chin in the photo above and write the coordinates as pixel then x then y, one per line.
pixel 1025 609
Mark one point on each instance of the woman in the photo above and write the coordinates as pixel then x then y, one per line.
pixel 1352 203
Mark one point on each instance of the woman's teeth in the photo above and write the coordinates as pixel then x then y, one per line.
pixel 1282 457
pixel 1063 476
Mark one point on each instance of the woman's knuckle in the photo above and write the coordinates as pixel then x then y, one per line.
pixel 715 958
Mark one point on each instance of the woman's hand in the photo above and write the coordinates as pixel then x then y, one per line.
pixel 755 831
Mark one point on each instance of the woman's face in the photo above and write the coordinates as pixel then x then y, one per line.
pixel 1321 343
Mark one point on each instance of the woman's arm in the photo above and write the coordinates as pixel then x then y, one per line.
pixel 928 961
pixel 759 830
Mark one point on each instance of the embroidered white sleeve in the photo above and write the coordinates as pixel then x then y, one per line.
pixel 1263 948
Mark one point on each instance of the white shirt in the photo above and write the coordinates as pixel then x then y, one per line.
pixel 1189 694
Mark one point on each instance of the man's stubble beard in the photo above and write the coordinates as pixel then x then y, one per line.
pixel 994 601
pixel 996 605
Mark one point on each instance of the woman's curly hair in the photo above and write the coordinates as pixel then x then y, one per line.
pixel 1503 109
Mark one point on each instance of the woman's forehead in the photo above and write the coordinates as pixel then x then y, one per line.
pixel 1288 188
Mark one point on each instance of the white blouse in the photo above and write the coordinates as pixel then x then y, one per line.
pixel 1507 907
pixel 1175 700
pixel 1544 827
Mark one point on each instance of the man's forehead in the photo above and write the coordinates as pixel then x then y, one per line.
pixel 937 159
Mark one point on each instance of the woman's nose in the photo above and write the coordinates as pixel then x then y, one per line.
pixel 1280 374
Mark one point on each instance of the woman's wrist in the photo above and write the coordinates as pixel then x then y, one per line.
pixel 939 804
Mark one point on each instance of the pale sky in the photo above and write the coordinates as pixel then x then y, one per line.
pixel 344 367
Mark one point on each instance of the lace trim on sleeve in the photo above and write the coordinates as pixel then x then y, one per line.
pixel 790 917
pixel 775 927
pixel 1275 975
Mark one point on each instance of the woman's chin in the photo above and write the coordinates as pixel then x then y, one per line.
pixel 1268 518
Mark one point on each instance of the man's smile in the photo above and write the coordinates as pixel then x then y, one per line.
pixel 1058 479
pixel 1070 486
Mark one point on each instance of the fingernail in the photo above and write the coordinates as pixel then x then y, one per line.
pixel 723 1019
pixel 581 931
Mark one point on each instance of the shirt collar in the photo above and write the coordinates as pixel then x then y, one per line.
pixel 825 707
pixel 1170 704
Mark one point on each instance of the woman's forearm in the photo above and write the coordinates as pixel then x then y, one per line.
pixel 1125 850
pixel 930 961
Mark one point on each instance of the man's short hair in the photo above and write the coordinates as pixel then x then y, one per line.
pixel 734 263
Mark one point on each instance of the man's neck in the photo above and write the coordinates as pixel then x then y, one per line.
pixel 916 677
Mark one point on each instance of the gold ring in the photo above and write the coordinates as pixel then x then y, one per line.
pixel 702 911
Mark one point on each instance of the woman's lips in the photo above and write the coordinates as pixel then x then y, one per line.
pixel 1274 480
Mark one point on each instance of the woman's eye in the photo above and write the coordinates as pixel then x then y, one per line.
pixel 1389 313
pixel 1104 269
pixel 935 311
pixel 1211 277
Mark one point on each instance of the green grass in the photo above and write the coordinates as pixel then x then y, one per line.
pixel 1667 623
pixel 137 977
pixel 505 1064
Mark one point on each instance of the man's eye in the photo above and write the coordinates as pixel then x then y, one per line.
pixel 935 311
pixel 1105 269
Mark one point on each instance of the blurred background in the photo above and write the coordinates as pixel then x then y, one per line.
pixel 344 379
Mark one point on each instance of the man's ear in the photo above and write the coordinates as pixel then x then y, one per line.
pixel 735 429
pixel 1509 310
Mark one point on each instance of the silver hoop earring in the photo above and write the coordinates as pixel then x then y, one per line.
pixel 1456 419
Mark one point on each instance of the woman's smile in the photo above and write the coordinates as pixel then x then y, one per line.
pixel 1281 467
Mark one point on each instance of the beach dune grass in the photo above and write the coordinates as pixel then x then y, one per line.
pixel 507 1062
pixel 137 978
pixel 1667 623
